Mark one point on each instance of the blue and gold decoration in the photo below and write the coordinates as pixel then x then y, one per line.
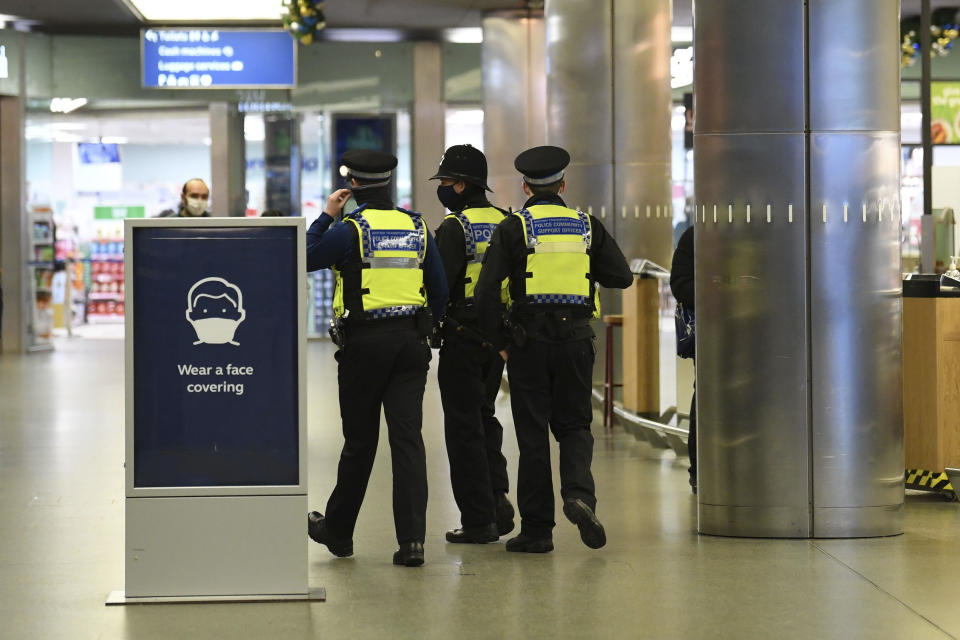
pixel 304 19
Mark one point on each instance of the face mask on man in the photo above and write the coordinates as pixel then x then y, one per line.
pixel 196 206
pixel 450 198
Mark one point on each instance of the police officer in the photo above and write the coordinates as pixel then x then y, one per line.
pixel 387 270
pixel 554 258
pixel 470 369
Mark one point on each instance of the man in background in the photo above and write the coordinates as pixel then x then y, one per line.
pixel 194 201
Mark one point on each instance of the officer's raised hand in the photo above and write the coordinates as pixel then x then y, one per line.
pixel 336 201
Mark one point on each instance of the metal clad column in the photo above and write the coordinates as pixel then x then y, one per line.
pixel 857 417
pixel 228 162
pixel 580 99
pixel 642 145
pixel 514 97
pixel 752 334
pixel 798 268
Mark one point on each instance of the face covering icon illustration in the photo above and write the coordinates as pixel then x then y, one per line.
pixel 215 310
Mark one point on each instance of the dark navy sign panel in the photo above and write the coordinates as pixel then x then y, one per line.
pixel 216 58
pixel 203 299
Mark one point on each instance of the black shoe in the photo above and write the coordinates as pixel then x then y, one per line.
pixel 693 484
pixel 591 531
pixel 410 554
pixel 317 529
pixel 525 544
pixel 505 515
pixel 474 535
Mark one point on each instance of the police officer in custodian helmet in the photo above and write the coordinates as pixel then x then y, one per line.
pixel 554 258
pixel 470 369
pixel 389 274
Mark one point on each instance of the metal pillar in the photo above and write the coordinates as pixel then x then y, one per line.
pixel 514 97
pixel 608 103
pixel 428 120
pixel 228 162
pixel 798 269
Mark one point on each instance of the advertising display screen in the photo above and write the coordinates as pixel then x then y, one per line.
pixel 218 59
pixel 945 112
pixel 215 352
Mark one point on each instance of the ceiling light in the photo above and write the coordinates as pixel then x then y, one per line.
pixel 464 35
pixel 114 140
pixel 66 105
pixel 207 10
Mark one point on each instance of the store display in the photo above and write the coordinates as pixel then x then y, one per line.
pixel 41 270
pixel 105 282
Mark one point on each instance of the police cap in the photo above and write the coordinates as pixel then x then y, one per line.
pixel 364 164
pixel 542 165
pixel 464 162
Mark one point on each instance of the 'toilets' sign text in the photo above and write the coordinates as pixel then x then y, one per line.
pixel 218 59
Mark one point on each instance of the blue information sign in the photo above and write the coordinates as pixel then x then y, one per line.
pixel 218 59
pixel 215 319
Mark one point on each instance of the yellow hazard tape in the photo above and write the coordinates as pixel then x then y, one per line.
pixel 923 480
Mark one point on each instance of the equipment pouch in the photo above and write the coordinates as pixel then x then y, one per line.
pixel 424 319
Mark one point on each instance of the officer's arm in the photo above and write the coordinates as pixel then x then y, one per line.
pixel 681 272
pixel 607 264
pixel 497 266
pixel 435 280
pixel 452 247
pixel 328 245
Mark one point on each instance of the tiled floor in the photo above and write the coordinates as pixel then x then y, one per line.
pixel 61 535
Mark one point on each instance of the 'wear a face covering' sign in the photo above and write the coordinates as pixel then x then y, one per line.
pixel 216 359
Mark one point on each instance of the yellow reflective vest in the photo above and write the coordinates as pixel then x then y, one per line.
pixel 558 256
pixel 393 246
pixel 478 226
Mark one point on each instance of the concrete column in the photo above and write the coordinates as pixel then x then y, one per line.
pixel 228 161
pixel 13 228
pixel 798 268
pixel 428 124
pixel 514 97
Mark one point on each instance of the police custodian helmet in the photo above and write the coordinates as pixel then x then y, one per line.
pixel 464 162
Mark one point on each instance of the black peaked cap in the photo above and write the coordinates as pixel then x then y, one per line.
pixel 542 165
pixel 367 165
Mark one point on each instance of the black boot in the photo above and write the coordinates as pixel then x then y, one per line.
pixel 318 532
pixel 481 534
pixel 591 531
pixel 410 554
pixel 505 514
pixel 526 544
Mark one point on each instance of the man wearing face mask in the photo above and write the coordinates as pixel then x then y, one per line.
pixel 194 201
pixel 388 273
pixel 470 369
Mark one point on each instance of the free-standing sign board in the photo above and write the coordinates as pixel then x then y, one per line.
pixel 216 441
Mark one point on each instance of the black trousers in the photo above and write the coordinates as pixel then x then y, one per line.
pixel 469 377
pixel 550 391
pixel 384 369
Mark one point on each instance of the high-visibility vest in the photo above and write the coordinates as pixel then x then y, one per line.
pixel 558 257
pixel 393 246
pixel 478 226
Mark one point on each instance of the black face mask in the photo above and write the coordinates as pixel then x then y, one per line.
pixel 450 198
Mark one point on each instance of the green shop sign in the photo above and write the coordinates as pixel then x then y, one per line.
pixel 119 213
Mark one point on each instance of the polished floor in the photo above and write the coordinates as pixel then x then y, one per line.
pixel 61 536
